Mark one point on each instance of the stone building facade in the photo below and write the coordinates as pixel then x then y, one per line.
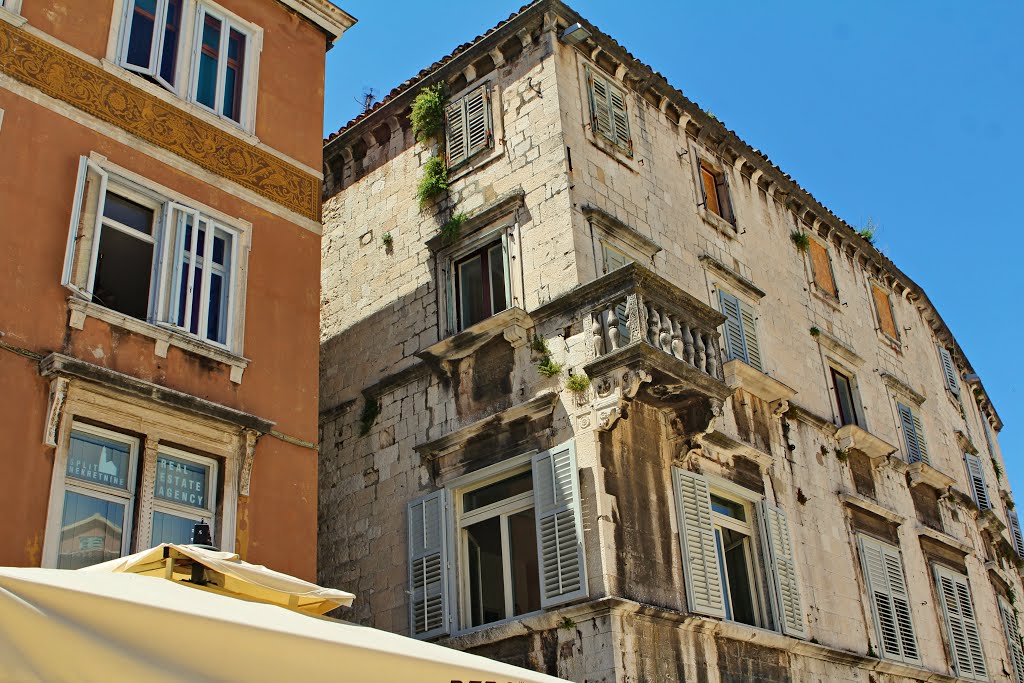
pixel 159 230
pixel 644 410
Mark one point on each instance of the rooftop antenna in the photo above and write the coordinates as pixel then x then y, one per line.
pixel 368 99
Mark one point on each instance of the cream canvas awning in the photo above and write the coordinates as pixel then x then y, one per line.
pixel 61 625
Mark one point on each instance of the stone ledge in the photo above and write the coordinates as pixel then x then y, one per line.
pixel 735 279
pixel 872 507
pixel 854 437
pixel 726 442
pixel 922 473
pixel 512 323
pixel 612 226
pixel 479 218
pixel 899 386
pixel 739 375
pixel 837 347
pixel 798 412
pixel 944 539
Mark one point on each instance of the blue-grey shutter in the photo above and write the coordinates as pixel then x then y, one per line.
pixel 703 572
pixel 1015 533
pixel 961 627
pixel 890 602
pixel 556 496
pixel 428 566
pixel 733 326
pixel 750 344
pixel 478 120
pixel 1012 631
pixel 949 371
pixel 912 441
pixel 976 475
pixel 785 587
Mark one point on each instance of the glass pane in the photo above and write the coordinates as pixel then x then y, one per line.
pixel 522 531
pixel 91 531
pixel 172 31
pixel 220 288
pixel 129 213
pixel 736 546
pixel 234 76
pixel 499 490
pixel 728 508
pixel 183 481
pixel 844 396
pixel 496 266
pixel 123 272
pixel 486 572
pixel 209 55
pixel 99 460
pixel 171 529
pixel 140 33
pixel 727 599
pixel 471 291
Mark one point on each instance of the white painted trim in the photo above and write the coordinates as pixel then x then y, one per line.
pixel 160 154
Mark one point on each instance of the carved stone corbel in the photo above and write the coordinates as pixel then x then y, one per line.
pixel 248 453
pixel 516 335
pixel 779 407
pixel 631 381
pixel 58 394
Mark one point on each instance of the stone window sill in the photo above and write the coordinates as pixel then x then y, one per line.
pixel 826 298
pixel 854 437
pixel 718 223
pixel 872 507
pixel 739 375
pixel 923 473
pixel 163 337
pixel 11 16
pixel 512 323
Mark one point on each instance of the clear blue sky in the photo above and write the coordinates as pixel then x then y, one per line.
pixel 906 112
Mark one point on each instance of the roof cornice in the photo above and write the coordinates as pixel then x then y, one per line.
pixel 330 18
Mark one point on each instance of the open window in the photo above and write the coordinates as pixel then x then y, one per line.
pixel 713 189
pixel 844 393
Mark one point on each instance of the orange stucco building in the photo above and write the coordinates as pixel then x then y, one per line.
pixel 160 250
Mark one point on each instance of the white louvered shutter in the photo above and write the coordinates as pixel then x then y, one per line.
pixel 428 566
pixel 782 569
pixel 949 371
pixel 913 439
pixel 556 496
pixel 478 120
pixel 958 611
pixel 1015 534
pixel 600 111
pixel 1012 631
pixel 697 538
pixel 613 259
pixel 733 326
pixel 455 133
pixel 750 343
pixel 890 603
pixel 978 486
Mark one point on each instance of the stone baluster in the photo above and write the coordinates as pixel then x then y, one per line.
pixel 677 340
pixel 687 344
pixel 712 356
pixel 666 333
pixel 597 330
pixel 701 356
pixel 613 328
pixel 654 332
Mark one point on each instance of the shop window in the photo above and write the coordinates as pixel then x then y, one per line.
pixel 882 565
pixel 185 493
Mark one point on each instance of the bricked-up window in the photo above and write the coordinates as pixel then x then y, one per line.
pixel 883 312
pixel 608 116
pixel 133 250
pixel 882 565
pixel 962 632
pixel 720 529
pixel 468 126
pixel 219 57
pixel 842 388
pixel 518 538
pixel 821 268
pixel 480 284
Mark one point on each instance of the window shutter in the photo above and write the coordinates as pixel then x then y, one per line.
pixel 909 422
pixel 700 180
pixel 697 538
pixel 949 371
pixel 83 231
pixel 556 494
pixel 883 309
pixel 964 639
pixel 890 603
pixel 724 198
pixel 1015 534
pixel 613 259
pixel 977 476
pixel 478 120
pixel 750 343
pixel 620 122
pixel 922 445
pixel 1012 631
pixel 600 111
pixel 455 132
pixel 428 566
pixel 449 295
pixel 733 325
pixel 782 563
pixel 506 262
pixel 821 266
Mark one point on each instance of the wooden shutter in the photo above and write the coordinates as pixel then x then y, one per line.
pixel 600 110
pixel 697 538
pixel 913 434
pixel 976 474
pixel 449 294
pixel 1015 534
pixel 883 308
pixel 613 259
pixel 750 343
pixel 1012 631
pixel 958 611
pixel 724 199
pixel 709 187
pixel 730 306
pixel 556 495
pixel 700 179
pixel 455 133
pixel 620 121
pixel 478 120
pixel 949 371
pixel 890 603
pixel 782 571
pixel 428 566
pixel 82 249
pixel 821 266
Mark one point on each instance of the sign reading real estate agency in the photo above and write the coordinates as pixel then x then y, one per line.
pixel 181 481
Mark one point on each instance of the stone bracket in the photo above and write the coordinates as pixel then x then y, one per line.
pixel 248 456
pixel 58 394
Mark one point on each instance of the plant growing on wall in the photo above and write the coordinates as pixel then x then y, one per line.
pixel 868 231
pixel 371 409
pixel 452 227
pixel 578 383
pixel 545 364
pixel 800 240
pixel 433 182
pixel 427 115
pixel 815 331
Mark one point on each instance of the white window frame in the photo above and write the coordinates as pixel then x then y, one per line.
pixel 60 483
pixel 157 43
pixel 12 6
pixel 229 21
pixel 504 231
pixel 748 500
pixel 163 200
pixel 208 513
